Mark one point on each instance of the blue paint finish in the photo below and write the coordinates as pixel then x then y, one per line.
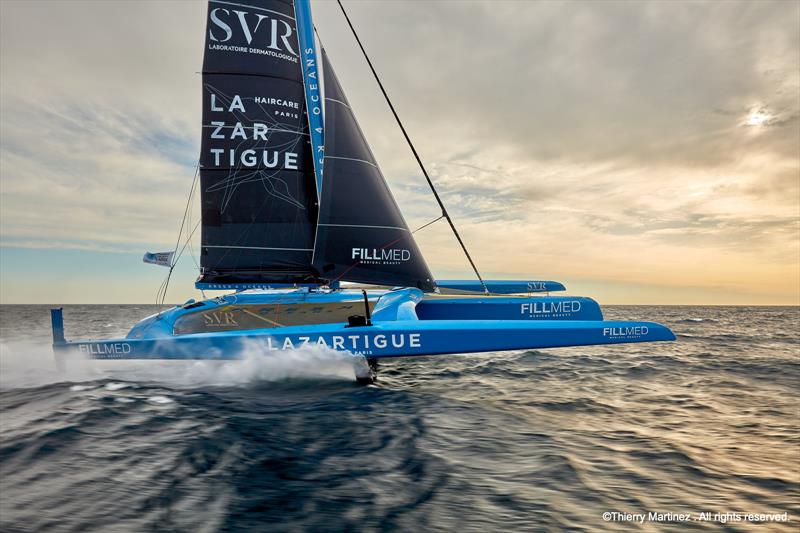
pixel 501 286
pixel 57 321
pixel 533 308
pixel 311 72
pixel 384 339
pixel 397 331
pixel 398 305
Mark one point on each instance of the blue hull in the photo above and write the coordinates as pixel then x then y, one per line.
pixel 382 339
pixel 403 325
pixel 541 308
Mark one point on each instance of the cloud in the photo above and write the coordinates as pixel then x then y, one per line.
pixel 602 140
pixel 582 80
pixel 91 176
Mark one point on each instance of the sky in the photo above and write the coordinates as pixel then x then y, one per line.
pixel 639 152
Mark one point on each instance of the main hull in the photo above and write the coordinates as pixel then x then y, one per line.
pixel 395 330
pixel 402 338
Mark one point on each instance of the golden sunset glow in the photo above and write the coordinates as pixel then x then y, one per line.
pixel 760 117
pixel 655 166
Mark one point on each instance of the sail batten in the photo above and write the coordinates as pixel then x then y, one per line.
pixel 352 159
pixel 365 226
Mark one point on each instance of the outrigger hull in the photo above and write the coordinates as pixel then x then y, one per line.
pixel 510 308
pixel 394 331
pixel 389 339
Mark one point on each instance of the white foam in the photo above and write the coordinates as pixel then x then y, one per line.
pixel 28 364
pixel 123 399
pixel 257 364
pixel 116 386
pixel 159 400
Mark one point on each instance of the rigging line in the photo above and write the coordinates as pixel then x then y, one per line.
pixel 189 239
pixel 445 214
pixel 191 248
pixel 435 220
pixel 194 259
pixel 161 295
pixel 158 296
pixel 165 285
pixel 186 209
pixel 191 213
pixel 186 243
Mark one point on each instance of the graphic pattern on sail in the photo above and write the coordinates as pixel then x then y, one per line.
pixel 361 235
pixel 258 191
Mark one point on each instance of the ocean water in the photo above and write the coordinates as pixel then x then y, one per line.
pixel 542 440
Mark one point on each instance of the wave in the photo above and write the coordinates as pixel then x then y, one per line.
pixel 517 441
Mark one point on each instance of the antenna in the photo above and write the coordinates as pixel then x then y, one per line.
pixel 445 214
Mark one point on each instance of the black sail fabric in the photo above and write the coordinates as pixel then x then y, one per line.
pixel 361 235
pixel 258 191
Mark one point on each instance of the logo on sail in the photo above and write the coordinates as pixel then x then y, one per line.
pixel 245 131
pixel 381 256
pixel 236 30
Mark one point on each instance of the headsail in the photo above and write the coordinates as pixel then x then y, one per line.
pixel 361 235
pixel 257 177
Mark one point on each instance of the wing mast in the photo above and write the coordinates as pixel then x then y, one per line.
pixel 311 82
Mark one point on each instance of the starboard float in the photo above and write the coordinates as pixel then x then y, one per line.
pixel 294 203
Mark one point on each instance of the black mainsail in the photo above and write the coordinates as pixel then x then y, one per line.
pixel 258 192
pixel 263 220
pixel 361 234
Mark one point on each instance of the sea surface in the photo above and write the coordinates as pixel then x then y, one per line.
pixel 542 440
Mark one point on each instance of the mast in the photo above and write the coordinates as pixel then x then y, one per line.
pixel 311 82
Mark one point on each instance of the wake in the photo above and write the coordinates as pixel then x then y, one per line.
pixel 29 365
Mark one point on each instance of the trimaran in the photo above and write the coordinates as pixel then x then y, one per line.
pixel 294 203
